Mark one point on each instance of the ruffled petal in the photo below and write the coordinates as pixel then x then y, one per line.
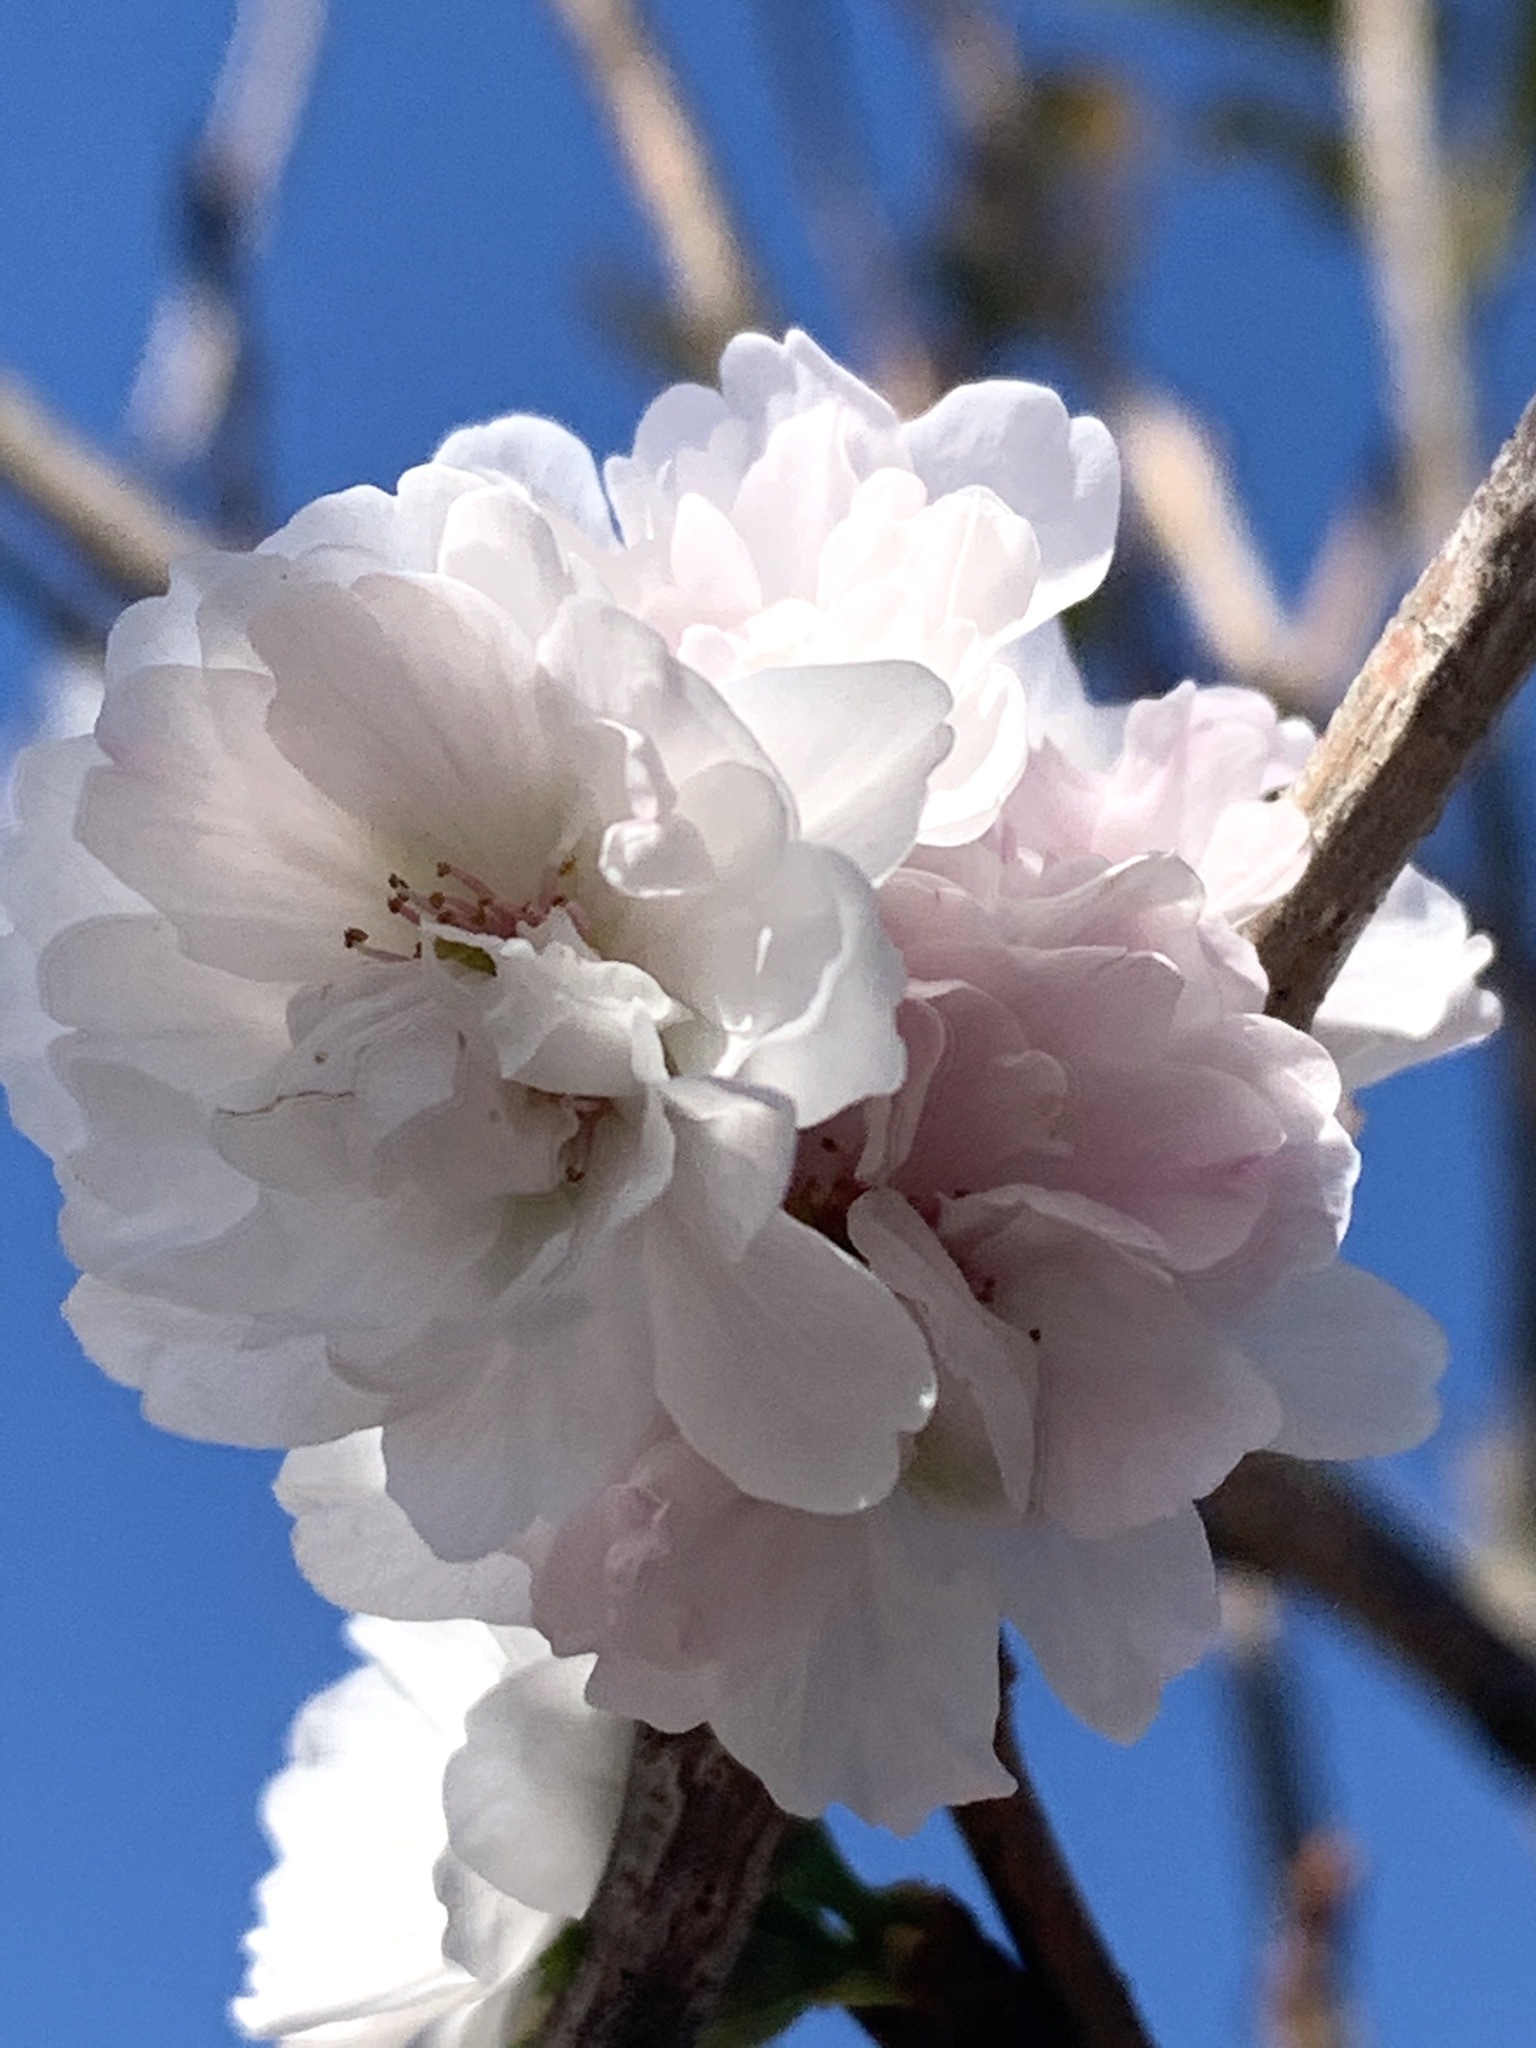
pixel 1353 1361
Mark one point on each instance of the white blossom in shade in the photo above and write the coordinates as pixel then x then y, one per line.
pixel 419 981
pixel 376 1929
pixel 1202 773
pixel 790 517
pixel 1111 1192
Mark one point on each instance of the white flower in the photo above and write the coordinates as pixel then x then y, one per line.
pixel 1202 773
pixel 1110 1192
pixel 791 517
pixel 354 1944
pixel 419 981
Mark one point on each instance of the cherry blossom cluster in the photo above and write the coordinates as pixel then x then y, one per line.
pixel 647 1031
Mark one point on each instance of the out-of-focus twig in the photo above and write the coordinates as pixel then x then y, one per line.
pixel 1303 657
pixel 670 168
pixel 1192 511
pixel 125 535
pixel 1315 1531
pixel 1306 2003
pixel 1309 1868
pixel 1386 48
pixel 849 224
pixel 689 1867
pixel 1085 2000
pixel 1457 649
pixel 198 398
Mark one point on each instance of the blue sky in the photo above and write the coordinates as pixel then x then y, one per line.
pixel 450 213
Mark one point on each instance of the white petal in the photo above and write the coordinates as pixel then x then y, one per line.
pixel 1408 992
pixel 1143 1406
pixel 834 977
pixel 1353 1361
pixel 547 460
pixel 257 870
pixel 409 702
pixel 1063 476
pixel 856 743
pixel 1110 1622
pixel 793 1370
pixel 528 1422
pixel 533 1797
pixel 215 1376
pixel 357 1546
pixel 350 1926
pixel 998 1363
pixel 891 1707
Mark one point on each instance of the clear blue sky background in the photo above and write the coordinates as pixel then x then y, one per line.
pixel 450 208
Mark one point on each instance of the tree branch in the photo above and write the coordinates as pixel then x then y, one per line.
pixel 1084 1999
pixel 1386 48
pixel 1313 1529
pixel 669 168
pixel 125 534
pixel 689 1868
pixel 1456 652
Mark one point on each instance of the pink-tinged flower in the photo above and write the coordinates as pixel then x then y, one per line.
pixel 379 1927
pixel 1202 773
pixel 419 981
pixel 790 517
pixel 1111 1192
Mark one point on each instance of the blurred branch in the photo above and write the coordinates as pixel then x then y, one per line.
pixel 1309 1868
pixel 1084 1999
pixel 690 1866
pixel 848 223
pixel 670 169
pixel 1302 658
pixel 1387 51
pixel 198 397
pixel 1456 651
pixel 1314 1531
pixel 122 532
pixel 1194 516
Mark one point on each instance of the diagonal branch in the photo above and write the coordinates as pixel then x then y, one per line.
pixel 1403 192
pixel 1084 1999
pixel 123 532
pixel 1317 1532
pixel 1446 665
pixel 669 167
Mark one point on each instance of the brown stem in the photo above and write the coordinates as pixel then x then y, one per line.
pixel 1086 2002
pixel 125 534
pixel 1456 652
pixel 1313 1529
pixel 669 168
pixel 689 1868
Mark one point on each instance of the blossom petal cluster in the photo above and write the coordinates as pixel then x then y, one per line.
pixel 391 1919
pixel 646 1029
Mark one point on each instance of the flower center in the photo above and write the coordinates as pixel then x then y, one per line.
pixel 471 906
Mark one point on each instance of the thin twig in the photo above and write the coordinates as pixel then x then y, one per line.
pixel 669 167
pixel 849 225
pixel 1086 2002
pixel 1308 1865
pixel 1315 1531
pixel 124 533
pixel 689 1868
pixel 1455 653
pixel 1387 51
